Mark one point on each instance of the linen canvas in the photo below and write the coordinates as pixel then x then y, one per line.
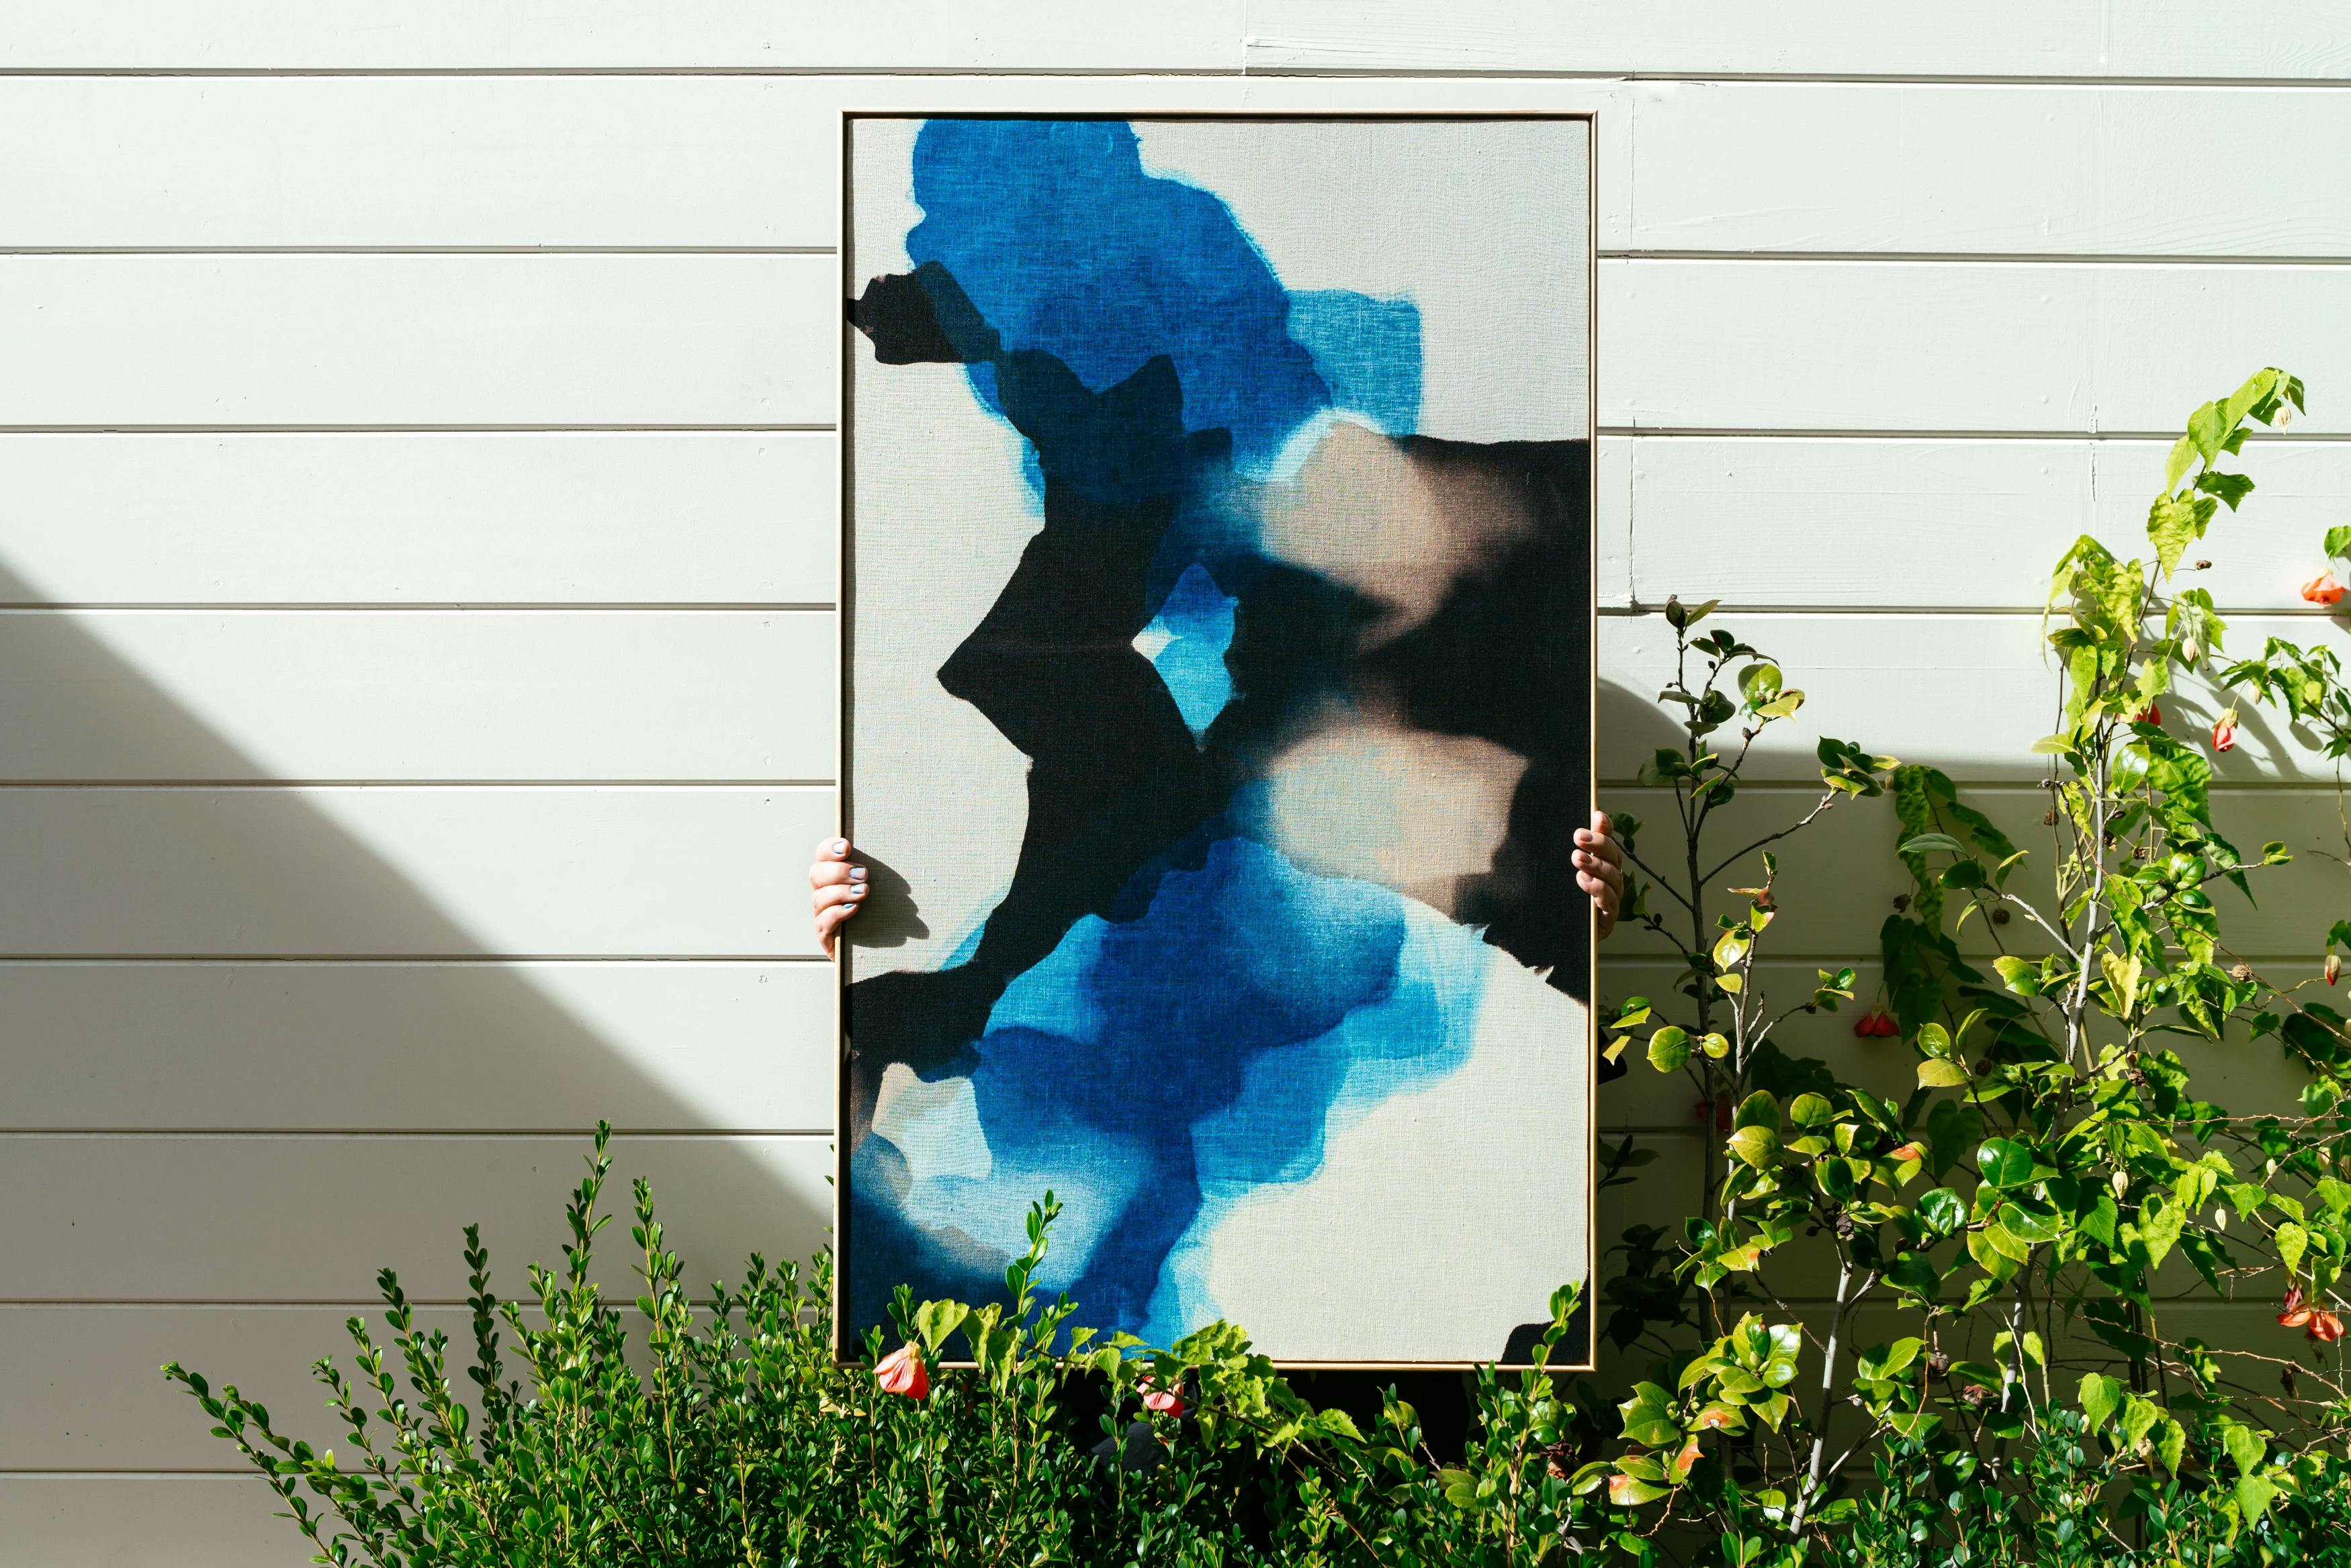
pixel 1217 696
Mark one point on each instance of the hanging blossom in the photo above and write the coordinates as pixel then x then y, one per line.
pixel 902 1372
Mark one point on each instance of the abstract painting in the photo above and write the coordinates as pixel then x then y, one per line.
pixel 1217 696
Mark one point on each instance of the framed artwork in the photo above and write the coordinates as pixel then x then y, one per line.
pixel 1217 695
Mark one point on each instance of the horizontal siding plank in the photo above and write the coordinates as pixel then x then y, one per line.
pixel 674 161
pixel 633 340
pixel 1763 522
pixel 85 1393
pixel 229 1218
pixel 401 340
pixel 551 1047
pixel 1838 878
pixel 583 35
pixel 2306 39
pixel 408 872
pixel 1965 693
pixel 1933 347
pixel 522 519
pixel 2040 170
pixel 686 162
pixel 145 1521
pixel 683 518
pixel 417 694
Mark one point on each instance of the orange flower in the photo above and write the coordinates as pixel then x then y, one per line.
pixel 1165 1401
pixel 2322 589
pixel 2224 732
pixel 902 1372
pixel 2297 1312
pixel 2326 1328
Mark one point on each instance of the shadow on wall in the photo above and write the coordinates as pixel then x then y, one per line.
pixel 404 1083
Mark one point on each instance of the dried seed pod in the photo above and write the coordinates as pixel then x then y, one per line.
pixel 2000 917
pixel 2240 971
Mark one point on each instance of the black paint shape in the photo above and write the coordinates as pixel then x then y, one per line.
pixel 922 318
pixel 1115 778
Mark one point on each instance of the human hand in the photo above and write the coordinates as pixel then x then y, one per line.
pixel 836 887
pixel 1600 869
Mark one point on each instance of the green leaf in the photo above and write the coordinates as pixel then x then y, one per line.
pixel 2183 452
pixel 2253 1495
pixel 1783 705
pixel 1943 1210
pixel 1941 1073
pixel 2170 1443
pixel 2173 524
pixel 2122 979
pixel 1756 1146
pixel 1649 1417
pixel 1920 844
pixel 2338 540
pixel 2159 1230
pixel 1811 1110
pixel 2004 1163
pixel 2245 1445
pixel 2101 1397
pixel 1668 1048
pixel 2207 427
pixel 1889 1360
pixel 936 1320
pixel 2229 489
pixel 2291 1240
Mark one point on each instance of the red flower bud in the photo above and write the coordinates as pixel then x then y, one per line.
pixel 1165 1401
pixel 2322 589
pixel 2150 714
pixel 2224 732
pixel 902 1372
pixel 2295 1313
pixel 2334 968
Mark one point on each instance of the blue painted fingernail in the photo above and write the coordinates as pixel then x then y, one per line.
pixel 841 846
pixel 857 873
pixel 857 892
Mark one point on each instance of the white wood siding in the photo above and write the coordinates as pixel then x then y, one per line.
pixel 417 542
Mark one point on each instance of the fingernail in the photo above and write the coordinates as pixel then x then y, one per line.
pixel 841 846
pixel 857 873
pixel 857 892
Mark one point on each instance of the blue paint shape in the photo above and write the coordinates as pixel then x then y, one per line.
pixel 1186 642
pixel 1366 350
pixel 1068 247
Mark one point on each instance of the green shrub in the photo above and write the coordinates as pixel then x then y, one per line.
pixel 2025 1214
